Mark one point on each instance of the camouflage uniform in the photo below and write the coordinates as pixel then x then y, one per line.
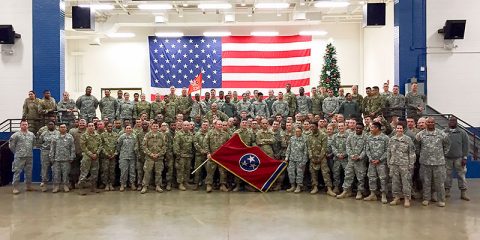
pixel 143 107
pixel 32 114
pixel 126 110
pixel 45 140
pixel 156 108
pixel 140 161
pixel 245 105
pixel 269 101
pixel 341 100
pixel 75 165
pixel 412 101
pixel 169 157
pixel 154 143
pixel 304 104
pixel 458 151
pixel 62 151
pixel 170 112
pixel 64 116
pixel 260 109
pixel 330 105
pixel 396 103
pixel 127 149
pixel 198 108
pixel 355 168
pixel 375 105
pixel 200 153
pixel 317 100
pixel 376 148
pixel 400 159
pixel 229 109
pixel 218 114
pixel 87 106
pixel 297 157
pixel 109 162
pixel 433 147
pixel 265 140
pixel 91 143
pixel 184 105
pixel 47 108
pixel 317 149
pixel 280 107
pixel 21 145
pixel 183 150
pixel 214 140
pixel 339 146
pixel 291 100
pixel 108 108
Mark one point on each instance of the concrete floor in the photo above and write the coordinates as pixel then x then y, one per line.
pixel 245 215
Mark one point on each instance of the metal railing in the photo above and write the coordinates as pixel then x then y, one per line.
pixel 10 125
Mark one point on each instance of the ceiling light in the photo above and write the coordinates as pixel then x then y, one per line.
pixel 121 35
pixel 264 33
pixel 163 6
pixel 185 5
pixel 272 5
pixel 331 4
pixel 98 6
pixel 169 34
pixel 229 18
pixel 217 34
pixel 214 5
pixel 313 33
pixel 243 4
pixel 161 19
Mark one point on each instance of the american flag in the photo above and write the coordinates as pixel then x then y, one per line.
pixel 232 63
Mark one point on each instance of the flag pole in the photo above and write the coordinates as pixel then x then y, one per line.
pixel 196 169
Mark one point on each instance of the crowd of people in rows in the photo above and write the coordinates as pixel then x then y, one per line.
pixel 377 146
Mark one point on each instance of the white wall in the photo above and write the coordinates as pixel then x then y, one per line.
pixel 378 52
pixel 16 70
pixel 454 75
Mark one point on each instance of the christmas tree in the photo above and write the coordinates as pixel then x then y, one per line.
pixel 330 76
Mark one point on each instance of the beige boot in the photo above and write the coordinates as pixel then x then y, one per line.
pixel 237 188
pixel 29 188
pixel 66 188
pixel 298 189
pixel 330 192
pixel 384 198
pixel 94 188
pixel 441 204
pixel 139 188
pixel 314 190
pixel 359 196
pixel 144 190
pixel 447 192
pixel 43 187
pixel 15 190
pixel 292 188
pixel 181 187
pixel 133 187
pixel 344 194
pixel 336 190
pixel 209 188
pixel 55 189
pixel 111 187
pixel 122 188
pixel 195 187
pixel 158 189
pixel 223 188
pixel 425 203
pixel 169 186
pixel 463 195
pixel 396 201
pixel 107 187
pixel 371 197
pixel 406 204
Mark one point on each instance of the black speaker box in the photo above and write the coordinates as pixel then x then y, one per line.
pixel 454 29
pixel 83 18
pixel 374 14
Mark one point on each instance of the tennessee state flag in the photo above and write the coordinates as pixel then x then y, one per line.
pixel 250 164
pixel 196 84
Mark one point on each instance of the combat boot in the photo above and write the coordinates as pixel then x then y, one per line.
pixel 314 190
pixel 278 187
pixel 371 197
pixel 336 190
pixel 158 189
pixel 181 187
pixel 43 187
pixel 144 190
pixel 441 204
pixel 81 189
pixel 425 203
pixel 107 188
pixel 447 192
pixel 132 187
pixel 29 188
pixel 15 190
pixel 122 188
pixel 298 189
pixel 330 192
pixel 223 188
pixel 237 188
pixel 395 201
pixel 55 189
pixel 344 194
pixel 65 188
pixel 434 197
pixel 406 204
pixel 195 187
pixel 359 196
pixel 139 188
pixel 463 195
pixel 169 186
pixel 209 188
pixel 111 187
pixel 384 198
pixel 292 188
pixel 94 188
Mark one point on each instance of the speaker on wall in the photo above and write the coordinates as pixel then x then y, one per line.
pixel 453 29
pixel 83 18
pixel 374 14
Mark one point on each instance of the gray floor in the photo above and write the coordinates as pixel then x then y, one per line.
pixel 197 215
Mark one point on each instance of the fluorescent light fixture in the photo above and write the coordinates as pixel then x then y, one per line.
pixel 169 34
pixel 313 33
pixel 162 6
pixel 121 35
pixel 229 18
pixel 185 5
pixel 272 5
pixel 214 6
pixel 161 19
pixel 331 4
pixel 217 34
pixel 264 33
pixel 98 6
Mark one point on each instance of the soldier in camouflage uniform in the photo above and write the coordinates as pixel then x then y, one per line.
pixel 21 145
pixel 45 140
pixel 143 107
pixel 415 103
pixel 214 113
pixel 341 96
pixel 31 112
pixel 280 107
pixel 169 157
pixel 375 105
pixel 47 106
pixel 376 149
pixel 87 105
pixel 317 150
pixel 91 145
pixel 317 100
pixel 127 149
pixel 109 145
pixel 245 105
pixel 62 153
pixel 214 140
pixel 330 105
pixel 170 109
pixel 198 107
pixel 356 163
pixel 396 102
pixel 270 100
pixel 297 157
pixel 265 138
pixel 306 129
pixel 278 150
pixel 400 159
pixel 157 107
pixel 248 138
pixel 229 108
pixel 260 108
pixel 339 151
pixel 184 103
pixel 200 152
pixel 66 108
pixel 75 165
pixel 183 150
pixel 108 106
pixel 154 147
pixel 126 109
pixel 356 97
pixel 291 100
pixel 304 103
pixel 433 145
pixel 145 127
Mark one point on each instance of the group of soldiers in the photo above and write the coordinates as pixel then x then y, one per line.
pixel 348 140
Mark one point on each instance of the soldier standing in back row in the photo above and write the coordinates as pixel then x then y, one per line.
pixel 47 106
pixel 280 107
pixel 126 109
pixel 87 105
pixel 31 112
pixel 108 106
pixel 154 147
pixel 62 153
pixel 45 141
pixel 91 145
pixel 415 102
pixel 330 105
pixel 21 145
pixel 304 103
pixel 66 108
pixel 291 100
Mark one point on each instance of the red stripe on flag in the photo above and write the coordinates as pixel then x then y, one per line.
pixel 262 54
pixel 265 84
pixel 281 39
pixel 266 69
